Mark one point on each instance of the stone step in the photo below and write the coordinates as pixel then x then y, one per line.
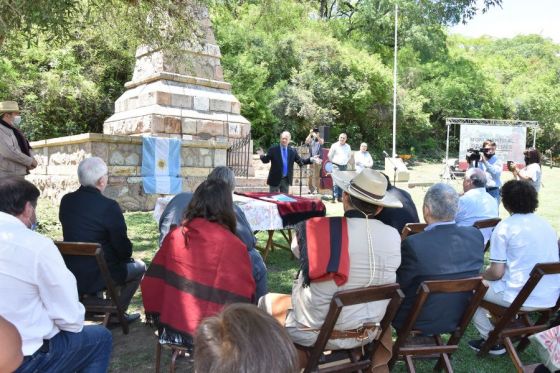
pixel 258 184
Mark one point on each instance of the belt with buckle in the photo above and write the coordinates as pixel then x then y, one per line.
pixel 361 333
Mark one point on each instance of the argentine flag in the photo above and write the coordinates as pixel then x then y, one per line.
pixel 161 165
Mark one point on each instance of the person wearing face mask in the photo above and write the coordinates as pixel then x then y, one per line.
pixel 39 294
pixel 492 166
pixel 16 158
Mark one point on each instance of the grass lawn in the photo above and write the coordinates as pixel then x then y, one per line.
pixel 136 352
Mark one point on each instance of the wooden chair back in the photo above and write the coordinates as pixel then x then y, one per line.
pixel 352 297
pixel 437 347
pixel 513 322
pixel 412 228
pixel 112 305
pixel 487 223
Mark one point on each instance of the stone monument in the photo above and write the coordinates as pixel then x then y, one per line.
pixel 181 95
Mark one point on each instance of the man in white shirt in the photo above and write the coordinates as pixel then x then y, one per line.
pixel 476 204
pixel 362 158
pixel 518 243
pixel 39 294
pixel 339 155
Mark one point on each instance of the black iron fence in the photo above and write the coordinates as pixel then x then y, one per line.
pixel 239 156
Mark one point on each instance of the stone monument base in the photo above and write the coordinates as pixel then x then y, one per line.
pixel 58 160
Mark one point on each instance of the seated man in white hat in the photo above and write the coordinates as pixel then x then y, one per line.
pixel 15 153
pixel 364 251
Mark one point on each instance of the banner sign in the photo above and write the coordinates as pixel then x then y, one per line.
pixel 510 141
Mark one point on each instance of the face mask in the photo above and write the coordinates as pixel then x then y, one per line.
pixel 17 120
pixel 488 156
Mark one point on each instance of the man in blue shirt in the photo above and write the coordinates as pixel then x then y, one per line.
pixel 492 166
pixel 476 204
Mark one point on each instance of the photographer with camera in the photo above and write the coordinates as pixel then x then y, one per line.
pixel 315 143
pixel 491 165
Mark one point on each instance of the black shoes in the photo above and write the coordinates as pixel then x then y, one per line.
pixel 494 350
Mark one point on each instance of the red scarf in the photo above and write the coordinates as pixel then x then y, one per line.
pixel 324 250
pixel 189 282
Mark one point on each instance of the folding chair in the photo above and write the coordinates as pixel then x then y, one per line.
pixel 105 306
pixel 176 351
pixel 436 349
pixel 514 323
pixel 359 358
pixel 487 223
pixel 412 228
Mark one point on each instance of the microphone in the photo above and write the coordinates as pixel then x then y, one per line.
pixel 386 154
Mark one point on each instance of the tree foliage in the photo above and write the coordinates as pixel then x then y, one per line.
pixel 293 65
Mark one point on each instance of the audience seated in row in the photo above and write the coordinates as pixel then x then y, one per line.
pixel 87 215
pixel 39 294
pixel 365 251
pixel 201 266
pixel 242 338
pixel 518 243
pixel 173 214
pixel 476 204
pixel 444 251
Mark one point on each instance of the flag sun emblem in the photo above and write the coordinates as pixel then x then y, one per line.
pixel 161 164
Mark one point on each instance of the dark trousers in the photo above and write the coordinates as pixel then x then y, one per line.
pixel 135 272
pixel 284 186
pixel 337 192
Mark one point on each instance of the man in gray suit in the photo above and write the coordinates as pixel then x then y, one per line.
pixel 444 251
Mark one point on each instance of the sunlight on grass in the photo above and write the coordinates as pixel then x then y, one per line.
pixel 135 352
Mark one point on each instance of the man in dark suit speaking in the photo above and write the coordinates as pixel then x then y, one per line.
pixel 282 158
pixel 444 251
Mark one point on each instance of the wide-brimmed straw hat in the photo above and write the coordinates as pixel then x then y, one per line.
pixel 369 186
pixel 9 107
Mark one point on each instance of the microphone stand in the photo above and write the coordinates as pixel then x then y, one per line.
pixel 394 170
pixel 300 174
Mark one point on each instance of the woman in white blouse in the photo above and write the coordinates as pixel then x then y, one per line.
pixel 532 170
pixel 362 158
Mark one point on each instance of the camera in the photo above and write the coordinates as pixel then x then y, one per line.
pixel 473 156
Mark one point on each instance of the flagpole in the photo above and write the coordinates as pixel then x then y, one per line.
pixel 395 86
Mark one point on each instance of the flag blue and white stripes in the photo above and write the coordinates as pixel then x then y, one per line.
pixel 161 165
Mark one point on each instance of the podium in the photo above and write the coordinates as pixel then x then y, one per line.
pixel 402 173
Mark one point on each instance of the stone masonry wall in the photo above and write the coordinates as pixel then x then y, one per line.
pixel 58 160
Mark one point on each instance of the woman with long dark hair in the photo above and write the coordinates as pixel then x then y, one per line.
pixel 532 170
pixel 201 267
